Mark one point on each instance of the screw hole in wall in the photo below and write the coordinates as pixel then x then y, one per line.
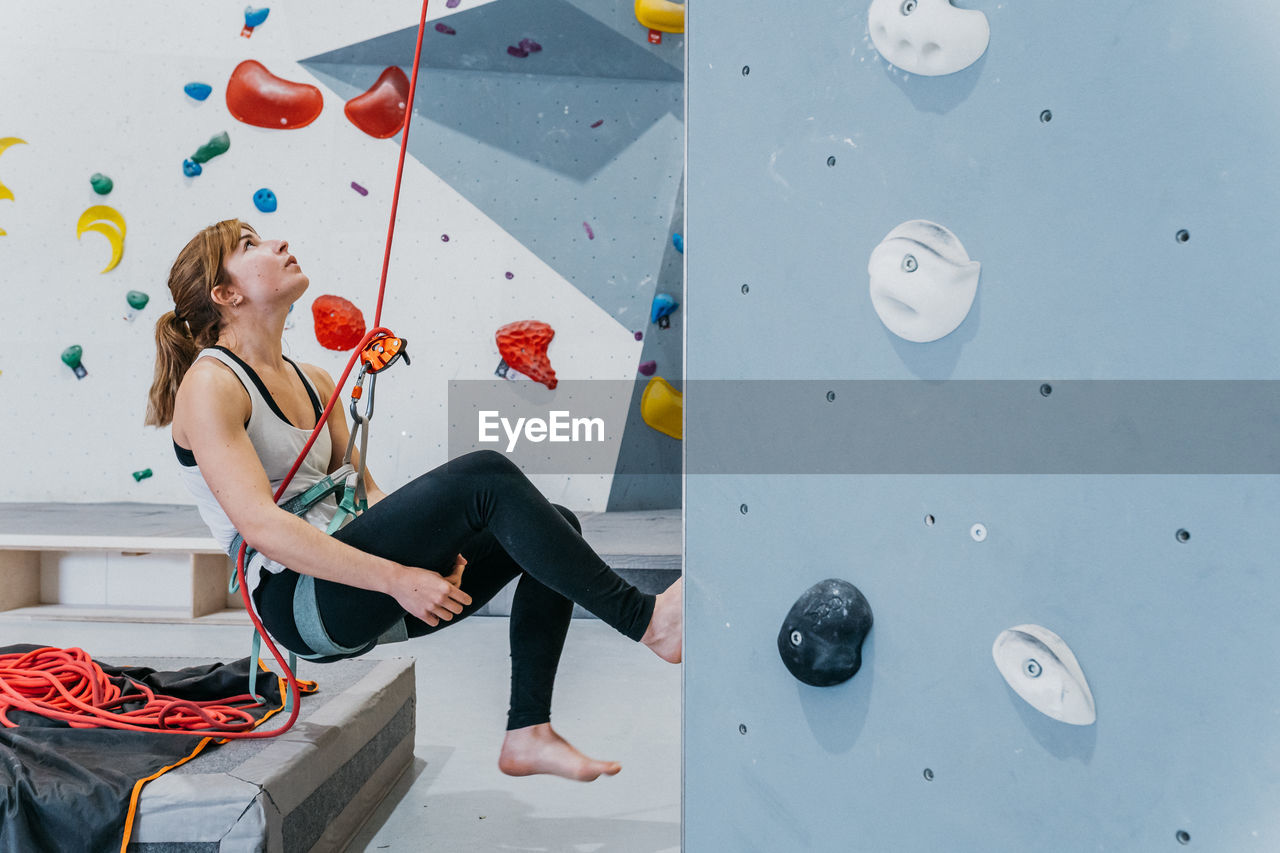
pixel 1183 837
pixel 1183 236
pixel 831 396
pixel 1183 535
pixel 746 288
pixel 928 775
pixel 742 728
pixel 743 509
pixel 928 520
pixel 1046 389
pixel 831 161
pixel 1046 116
pixel 746 69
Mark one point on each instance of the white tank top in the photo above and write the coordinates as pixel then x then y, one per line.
pixel 278 444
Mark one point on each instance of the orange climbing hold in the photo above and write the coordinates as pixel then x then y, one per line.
pixel 523 347
pixel 339 324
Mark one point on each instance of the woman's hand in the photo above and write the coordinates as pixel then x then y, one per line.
pixel 455 577
pixel 429 596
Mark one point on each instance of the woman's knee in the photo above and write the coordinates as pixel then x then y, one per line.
pixel 569 517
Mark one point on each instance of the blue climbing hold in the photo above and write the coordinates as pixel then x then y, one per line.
pixel 265 200
pixel 191 168
pixel 663 305
pixel 199 91
pixel 678 241
pixel 254 17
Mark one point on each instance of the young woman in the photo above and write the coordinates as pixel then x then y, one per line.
pixel 426 555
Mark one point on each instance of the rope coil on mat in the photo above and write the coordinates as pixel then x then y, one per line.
pixel 68 685
pixel 66 667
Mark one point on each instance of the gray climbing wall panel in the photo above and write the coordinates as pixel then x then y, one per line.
pixel 805 148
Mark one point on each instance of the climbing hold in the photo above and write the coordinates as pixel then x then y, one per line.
pixel 191 168
pixel 137 301
pixel 678 241
pixel 101 183
pixel 591 235
pixel 518 52
pixel 820 641
pixel 446 29
pixel 648 367
pixel 139 476
pixel 339 324
pixel 530 46
pixel 265 200
pixel 256 96
pixel 359 188
pixel 255 17
pixel 597 123
pixel 510 275
pixel 663 305
pixel 71 358
pixel 108 222
pixel 4 145
pixel 523 346
pixel 639 335
pixel 1041 669
pixel 216 145
pixel 451 4
pixel 928 37
pixel 199 91
pixel 661 15
pixel 662 407
pixel 380 110
pixel 922 281
pixel 444 238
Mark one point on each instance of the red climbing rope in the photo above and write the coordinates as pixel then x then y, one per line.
pixel 65 684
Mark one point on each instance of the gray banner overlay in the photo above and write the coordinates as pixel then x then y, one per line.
pixel 1223 427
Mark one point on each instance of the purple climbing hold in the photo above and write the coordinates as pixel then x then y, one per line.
pixel 597 123
pixel 530 45
pixel 359 188
pixel 591 235
pixel 518 52
pixel 446 29
pixel 648 367
pixel 452 4
pixel 639 336
pixel 510 275
pixel 444 238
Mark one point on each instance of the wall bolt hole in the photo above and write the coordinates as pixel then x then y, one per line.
pixel 1183 236
pixel 742 728
pixel 928 775
pixel 1183 837
pixel 1046 116
pixel 743 509
pixel 1046 389
pixel 1184 535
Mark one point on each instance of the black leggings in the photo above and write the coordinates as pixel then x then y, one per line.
pixel 483 507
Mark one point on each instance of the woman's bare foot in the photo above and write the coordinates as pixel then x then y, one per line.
pixel 665 635
pixel 539 749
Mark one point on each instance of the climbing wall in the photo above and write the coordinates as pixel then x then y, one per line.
pixel 1077 433
pixel 541 186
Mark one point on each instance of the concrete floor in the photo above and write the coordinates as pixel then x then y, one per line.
pixel 614 700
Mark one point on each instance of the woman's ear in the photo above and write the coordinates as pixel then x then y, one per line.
pixel 224 295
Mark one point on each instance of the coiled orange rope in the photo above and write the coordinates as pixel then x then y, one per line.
pixel 67 685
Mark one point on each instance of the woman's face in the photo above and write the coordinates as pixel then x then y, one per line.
pixel 263 271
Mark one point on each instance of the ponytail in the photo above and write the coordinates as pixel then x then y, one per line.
pixel 195 322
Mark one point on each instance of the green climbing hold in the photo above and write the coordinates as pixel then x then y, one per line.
pixel 101 183
pixel 71 358
pixel 215 146
pixel 139 476
pixel 137 299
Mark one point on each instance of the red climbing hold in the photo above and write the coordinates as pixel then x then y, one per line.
pixel 256 96
pixel 339 324
pixel 524 348
pixel 379 112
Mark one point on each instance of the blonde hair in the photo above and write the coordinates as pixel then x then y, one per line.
pixel 195 321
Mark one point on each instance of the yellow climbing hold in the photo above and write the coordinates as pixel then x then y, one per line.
pixel 661 15
pixel 108 222
pixel 662 407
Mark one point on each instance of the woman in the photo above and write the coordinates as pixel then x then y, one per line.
pixel 240 412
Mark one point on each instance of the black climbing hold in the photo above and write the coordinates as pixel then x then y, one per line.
pixel 821 638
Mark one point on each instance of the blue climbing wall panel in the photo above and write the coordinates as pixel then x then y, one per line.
pixel 1115 169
